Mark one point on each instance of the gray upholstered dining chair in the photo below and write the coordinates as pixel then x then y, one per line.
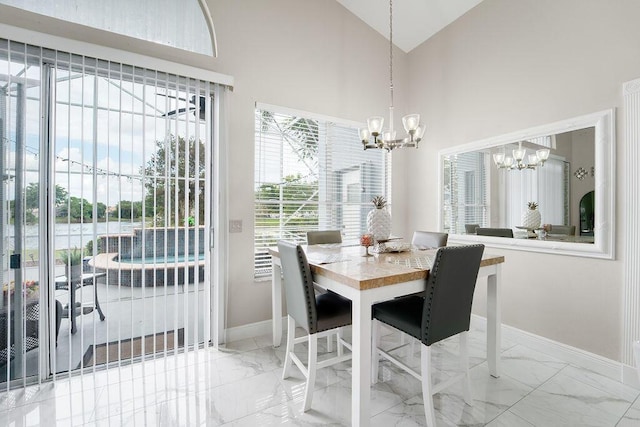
pixel 429 239
pixel 445 312
pixel 568 230
pixel 318 315
pixel 495 232
pixel 471 228
pixel 323 237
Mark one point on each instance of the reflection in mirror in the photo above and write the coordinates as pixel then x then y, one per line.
pixel 538 183
pixel 496 193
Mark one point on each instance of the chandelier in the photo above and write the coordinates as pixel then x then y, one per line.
pixel 517 161
pixel 373 136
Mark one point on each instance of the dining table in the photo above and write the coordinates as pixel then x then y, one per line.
pixel 366 280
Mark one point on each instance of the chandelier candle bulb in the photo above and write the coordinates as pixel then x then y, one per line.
pixel 519 152
pixel 542 155
pixel 375 125
pixel 411 122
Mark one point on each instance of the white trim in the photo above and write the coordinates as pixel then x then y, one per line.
pixel 212 31
pixel 102 52
pixel 631 248
pixel 252 330
pixel 306 114
pixel 609 368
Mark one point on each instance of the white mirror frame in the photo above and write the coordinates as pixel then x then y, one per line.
pixel 605 158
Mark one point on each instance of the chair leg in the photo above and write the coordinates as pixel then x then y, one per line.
pixel 330 343
pixel 339 345
pixel 464 362
pixel 403 341
pixel 412 347
pixel 291 332
pixel 375 356
pixel 427 386
pixel 311 368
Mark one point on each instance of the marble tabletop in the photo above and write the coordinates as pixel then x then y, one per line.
pixel 347 265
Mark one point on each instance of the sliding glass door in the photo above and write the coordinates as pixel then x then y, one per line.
pixel 106 207
pixel 20 197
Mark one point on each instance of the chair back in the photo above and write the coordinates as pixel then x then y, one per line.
pixel 569 230
pixel 429 239
pixel 471 228
pixel 495 232
pixel 298 285
pixel 323 237
pixel 449 294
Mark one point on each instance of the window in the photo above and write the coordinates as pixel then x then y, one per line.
pixel 311 174
pixel 180 24
pixel 465 191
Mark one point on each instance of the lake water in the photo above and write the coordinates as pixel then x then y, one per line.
pixel 76 235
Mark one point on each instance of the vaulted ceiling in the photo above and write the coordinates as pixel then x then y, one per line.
pixel 414 21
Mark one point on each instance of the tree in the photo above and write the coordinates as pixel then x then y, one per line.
pixel 295 195
pixel 32 195
pixel 165 175
pixel 128 209
pixel 76 209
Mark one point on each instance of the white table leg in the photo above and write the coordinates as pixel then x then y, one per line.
pixel 276 302
pixel 361 362
pixel 494 322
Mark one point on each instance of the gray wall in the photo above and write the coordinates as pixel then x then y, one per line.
pixel 509 65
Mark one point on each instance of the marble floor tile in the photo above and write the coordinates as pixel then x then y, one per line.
pixel 509 419
pixel 491 397
pixel 528 366
pixel 230 401
pixel 241 385
pixel 407 414
pixel 564 400
pixel 632 417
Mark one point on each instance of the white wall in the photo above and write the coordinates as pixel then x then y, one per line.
pixel 509 65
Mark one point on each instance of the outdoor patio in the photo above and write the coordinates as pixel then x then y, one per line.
pixel 129 313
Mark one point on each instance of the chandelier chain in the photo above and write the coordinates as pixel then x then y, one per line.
pixel 391 50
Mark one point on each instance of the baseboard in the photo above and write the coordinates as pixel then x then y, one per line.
pixel 630 376
pixel 609 368
pixel 599 364
pixel 252 330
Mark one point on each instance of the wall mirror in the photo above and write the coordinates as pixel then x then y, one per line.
pixel 545 189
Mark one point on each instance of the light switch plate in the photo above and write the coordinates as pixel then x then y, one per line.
pixel 235 226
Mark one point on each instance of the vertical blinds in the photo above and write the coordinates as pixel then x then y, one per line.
pixel 311 174
pixel 117 155
pixel 540 186
pixel 465 191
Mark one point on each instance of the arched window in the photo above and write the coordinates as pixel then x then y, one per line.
pixel 177 23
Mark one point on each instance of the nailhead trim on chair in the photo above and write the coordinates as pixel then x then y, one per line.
pixel 308 291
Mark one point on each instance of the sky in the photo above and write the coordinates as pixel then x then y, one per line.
pixel 109 126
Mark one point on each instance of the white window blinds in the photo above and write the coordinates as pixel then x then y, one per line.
pixel 465 191
pixel 311 174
